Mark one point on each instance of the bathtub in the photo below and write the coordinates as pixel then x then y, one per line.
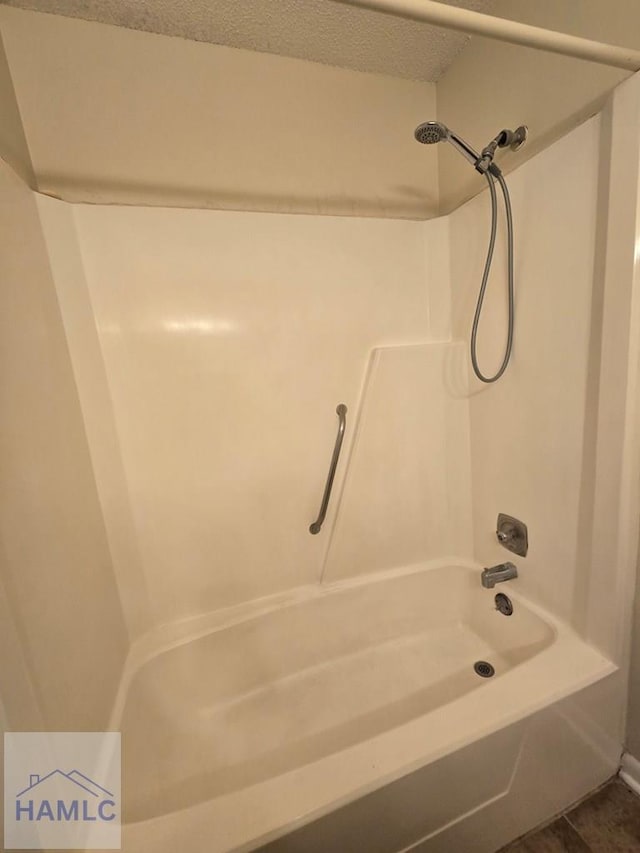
pixel 256 720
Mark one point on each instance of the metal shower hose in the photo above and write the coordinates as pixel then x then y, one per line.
pixel 485 278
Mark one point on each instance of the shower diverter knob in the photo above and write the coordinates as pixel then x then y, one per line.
pixel 512 534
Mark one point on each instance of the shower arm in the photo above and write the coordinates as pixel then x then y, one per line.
pixel 464 148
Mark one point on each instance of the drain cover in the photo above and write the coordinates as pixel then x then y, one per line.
pixel 503 604
pixel 484 669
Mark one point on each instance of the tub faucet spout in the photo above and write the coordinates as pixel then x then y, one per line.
pixel 498 574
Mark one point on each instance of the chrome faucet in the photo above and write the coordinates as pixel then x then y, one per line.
pixel 498 574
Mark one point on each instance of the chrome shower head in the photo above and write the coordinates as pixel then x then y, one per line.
pixel 431 131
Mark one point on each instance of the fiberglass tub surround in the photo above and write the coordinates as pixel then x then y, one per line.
pixel 311 684
pixel 277 678
pixel 308 679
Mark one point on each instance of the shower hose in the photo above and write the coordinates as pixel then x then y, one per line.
pixel 485 277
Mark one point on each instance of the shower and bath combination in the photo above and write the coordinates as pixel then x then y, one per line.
pixel 430 132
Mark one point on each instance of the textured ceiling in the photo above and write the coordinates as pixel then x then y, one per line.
pixel 317 30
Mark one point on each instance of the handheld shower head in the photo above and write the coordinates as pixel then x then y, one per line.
pixel 431 131
pixel 434 131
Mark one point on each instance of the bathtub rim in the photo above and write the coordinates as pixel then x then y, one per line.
pixel 167 636
pixel 245 819
pixel 567 665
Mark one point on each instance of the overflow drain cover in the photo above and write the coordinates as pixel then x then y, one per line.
pixel 484 669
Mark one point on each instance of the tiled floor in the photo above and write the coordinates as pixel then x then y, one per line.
pixel 606 822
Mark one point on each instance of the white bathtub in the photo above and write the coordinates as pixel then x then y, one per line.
pixel 262 718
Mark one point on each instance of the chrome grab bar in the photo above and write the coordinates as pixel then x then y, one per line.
pixel 341 411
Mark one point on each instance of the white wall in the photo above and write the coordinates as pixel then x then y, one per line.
pixel 65 640
pixel 62 635
pixel 120 116
pixel 125 116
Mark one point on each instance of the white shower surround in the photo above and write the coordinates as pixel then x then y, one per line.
pixel 215 347
pixel 588 583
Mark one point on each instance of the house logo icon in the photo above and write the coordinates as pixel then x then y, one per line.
pixel 62 791
pixel 60 796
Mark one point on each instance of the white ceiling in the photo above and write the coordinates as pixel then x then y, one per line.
pixel 317 30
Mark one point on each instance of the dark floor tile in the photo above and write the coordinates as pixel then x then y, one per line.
pixel 558 837
pixel 609 820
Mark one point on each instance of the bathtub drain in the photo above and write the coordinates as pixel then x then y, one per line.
pixel 484 669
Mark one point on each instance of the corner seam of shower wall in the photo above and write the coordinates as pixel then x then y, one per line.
pixel 614 540
pixel 18 154
pixel 586 507
pixel 136 615
pixel 628 530
pixel 13 636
